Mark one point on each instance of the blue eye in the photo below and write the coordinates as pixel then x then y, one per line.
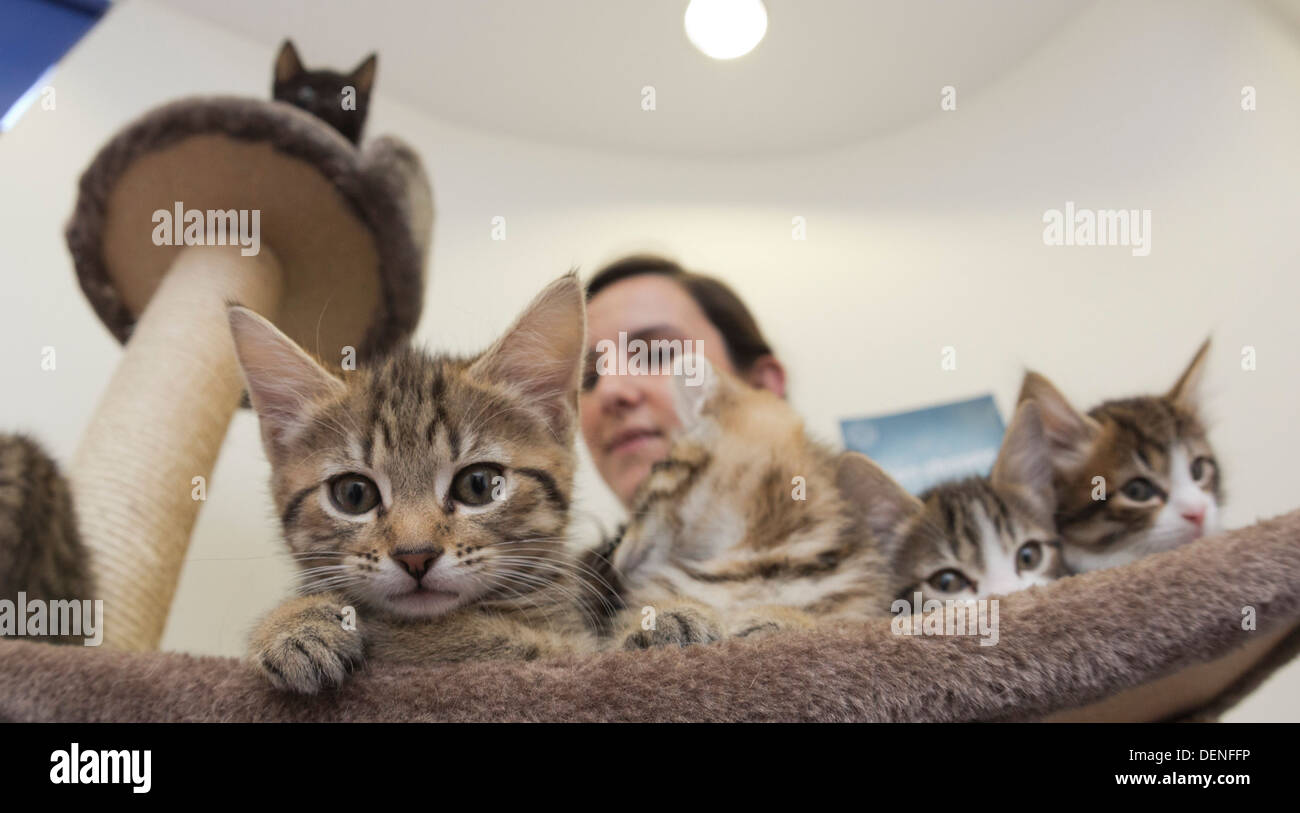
pixel 306 95
pixel 949 581
pixel 1029 556
pixel 1139 489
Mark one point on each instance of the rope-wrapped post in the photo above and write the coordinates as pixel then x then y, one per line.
pixel 159 425
pixel 196 204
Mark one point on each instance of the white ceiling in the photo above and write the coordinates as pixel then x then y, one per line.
pixel 829 72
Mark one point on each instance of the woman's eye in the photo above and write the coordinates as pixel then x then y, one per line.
pixel 473 485
pixel 1139 489
pixel 949 581
pixel 1202 469
pixel 1029 556
pixel 589 379
pixel 354 493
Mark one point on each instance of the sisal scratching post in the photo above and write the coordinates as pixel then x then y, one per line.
pixel 160 424
pixel 289 219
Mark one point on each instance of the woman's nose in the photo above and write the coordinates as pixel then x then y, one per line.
pixel 618 392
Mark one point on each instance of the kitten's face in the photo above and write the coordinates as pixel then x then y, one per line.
pixel 421 484
pixel 1161 482
pixel 321 92
pixel 971 542
pixel 980 536
pixel 1133 476
pixel 744 447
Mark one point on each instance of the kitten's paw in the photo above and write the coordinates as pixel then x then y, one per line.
pixel 755 628
pixel 304 646
pixel 765 621
pixel 680 626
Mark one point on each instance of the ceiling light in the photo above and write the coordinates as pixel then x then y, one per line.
pixel 726 29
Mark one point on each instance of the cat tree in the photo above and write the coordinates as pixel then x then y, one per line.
pixel 199 203
pixel 343 243
pixel 1160 639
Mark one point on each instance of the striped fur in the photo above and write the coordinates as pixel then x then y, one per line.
pixel 983 536
pixel 41 551
pixel 494 579
pixel 1102 459
pixel 747 524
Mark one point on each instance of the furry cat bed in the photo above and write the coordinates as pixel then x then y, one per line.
pixel 1159 639
pixel 195 204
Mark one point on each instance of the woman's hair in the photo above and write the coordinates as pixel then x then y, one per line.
pixel 721 306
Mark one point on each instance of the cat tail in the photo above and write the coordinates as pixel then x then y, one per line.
pixel 41 551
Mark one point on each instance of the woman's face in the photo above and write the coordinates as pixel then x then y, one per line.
pixel 627 419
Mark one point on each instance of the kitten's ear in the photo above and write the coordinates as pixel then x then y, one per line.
pixel 698 384
pixel 287 64
pixel 282 379
pixel 1069 432
pixel 1024 465
pixel 543 353
pixel 363 75
pixel 1187 392
pixel 877 499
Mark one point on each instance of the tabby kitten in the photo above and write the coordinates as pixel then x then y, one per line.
pixel 979 536
pixel 321 92
pixel 41 552
pixel 1161 483
pixel 748 526
pixel 428 493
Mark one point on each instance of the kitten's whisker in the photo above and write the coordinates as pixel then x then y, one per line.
pixel 579 568
pixel 542 583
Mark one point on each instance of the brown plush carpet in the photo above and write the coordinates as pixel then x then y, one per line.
pixel 1159 639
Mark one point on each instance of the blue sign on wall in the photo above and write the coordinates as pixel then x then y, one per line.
pixel 922 447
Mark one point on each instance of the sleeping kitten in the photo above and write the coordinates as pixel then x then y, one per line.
pixel 980 536
pixel 322 92
pixel 1161 485
pixel 430 494
pixel 748 526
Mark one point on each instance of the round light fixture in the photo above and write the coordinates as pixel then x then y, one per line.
pixel 726 29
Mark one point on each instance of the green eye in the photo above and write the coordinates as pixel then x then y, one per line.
pixel 949 581
pixel 353 493
pixel 473 485
pixel 1139 489
pixel 1029 556
pixel 1202 468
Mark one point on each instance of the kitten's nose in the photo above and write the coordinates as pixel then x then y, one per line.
pixel 417 563
pixel 1196 516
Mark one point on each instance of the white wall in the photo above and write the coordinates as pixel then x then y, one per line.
pixel 928 237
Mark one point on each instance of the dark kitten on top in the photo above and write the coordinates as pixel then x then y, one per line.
pixel 325 93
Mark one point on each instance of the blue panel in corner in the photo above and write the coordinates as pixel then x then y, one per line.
pixel 35 34
pixel 922 447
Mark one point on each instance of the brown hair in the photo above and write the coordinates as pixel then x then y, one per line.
pixel 721 306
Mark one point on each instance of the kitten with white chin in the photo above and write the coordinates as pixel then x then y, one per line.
pixel 1133 476
pixel 980 536
pixel 428 493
